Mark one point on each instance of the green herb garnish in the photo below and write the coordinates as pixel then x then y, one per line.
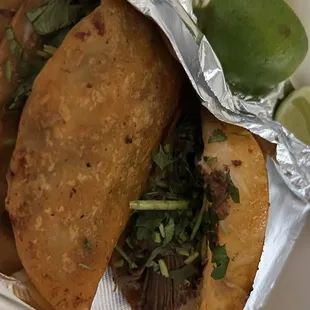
pixel 221 261
pixel 143 205
pixel 199 220
pixel 182 251
pixel 163 268
pixel 87 245
pixel 9 32
pixel 53 16
pixel 182 274
pixel 16 49
pixel 161 158
pixel 218 135
pixel 8 70
pixel 156 237
pixel 126 257
pixel 210 160
pixel 85 266
pixel 192 258
pixel 162 230
pixel 119 263
pixel 233 191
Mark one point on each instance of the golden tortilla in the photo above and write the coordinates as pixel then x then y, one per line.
pixel 247 221
pixel 97 111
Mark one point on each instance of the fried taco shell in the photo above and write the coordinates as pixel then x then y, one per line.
pixel 231 154
pixel 245 225
pixel 96 112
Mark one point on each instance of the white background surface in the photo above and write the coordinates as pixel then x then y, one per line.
pixel 292 291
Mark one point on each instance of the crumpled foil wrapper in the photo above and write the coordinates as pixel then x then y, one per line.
pixel 204 70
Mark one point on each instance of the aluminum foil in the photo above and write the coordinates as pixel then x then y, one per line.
pixel 204 70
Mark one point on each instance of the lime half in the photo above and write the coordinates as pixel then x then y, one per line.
pixel 294 114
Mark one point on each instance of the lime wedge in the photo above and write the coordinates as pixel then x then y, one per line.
pixel 294 114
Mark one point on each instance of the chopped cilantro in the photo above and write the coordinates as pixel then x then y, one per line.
pixel 210 160
pixel 85 266
pixel 233 191
pixel 87 245
pixel 53 16
pixel 221 261
pixel 192 258
pixel 161 158
pixel 182 251
pixel 9 33
pixel 8 70
pixel 218 135
pixel 184 273
pixel 119 263
pixel 163 268
pixel 16 49
pixel 125 257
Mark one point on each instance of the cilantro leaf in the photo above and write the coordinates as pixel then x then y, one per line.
pixel 9 32
pixel 54 15
pixel 27 73
pixel 142 233
pixel 221 260
pixel 87 245
pixel 184 273
pixel 233 191
pixel 210 160
pixel 161 158
pixel 131 264
pixel 169 231
pixel 8 70
pixel 218 135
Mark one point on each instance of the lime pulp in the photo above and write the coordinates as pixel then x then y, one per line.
pixel 294 114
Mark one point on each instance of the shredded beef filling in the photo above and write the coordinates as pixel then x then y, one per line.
pixel 165 293
pixel 150 290
pixel 218 182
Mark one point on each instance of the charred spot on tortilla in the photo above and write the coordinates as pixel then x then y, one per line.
pixel 7 13
pixel 128 139
pixel 82 35
pixel 98 23
pixel 236 162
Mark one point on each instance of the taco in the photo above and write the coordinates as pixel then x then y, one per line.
pixel 96 111
pixel 195 237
